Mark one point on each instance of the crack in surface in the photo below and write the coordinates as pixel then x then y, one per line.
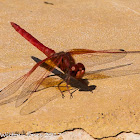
pixel 63 132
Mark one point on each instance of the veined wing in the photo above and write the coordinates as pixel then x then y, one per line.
pixel 14 86
pixel 91 58
pixel 39 101
pixel 74 85
pixel 112 72
pixel 24 82
pixel 34 81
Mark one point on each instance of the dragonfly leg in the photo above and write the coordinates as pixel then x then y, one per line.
pixel 71 96
pixel 60 89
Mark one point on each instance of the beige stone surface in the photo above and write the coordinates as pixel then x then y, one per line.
pixel 113 106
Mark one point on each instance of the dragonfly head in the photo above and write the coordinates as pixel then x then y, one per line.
pixel 77 70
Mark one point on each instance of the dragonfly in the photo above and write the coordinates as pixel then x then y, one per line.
pixel 65 65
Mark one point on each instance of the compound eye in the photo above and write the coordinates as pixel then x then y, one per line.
pixel 81 71
pixel 77 70
pixel 81 66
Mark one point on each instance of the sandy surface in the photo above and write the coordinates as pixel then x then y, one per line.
pixel 113 107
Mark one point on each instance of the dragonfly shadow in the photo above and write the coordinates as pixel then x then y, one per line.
pixel 50 81
pixel 72 85
pixel 112 72
pixel 81 85
pixel 33 105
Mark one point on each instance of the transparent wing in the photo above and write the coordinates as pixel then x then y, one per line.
pixel 14 86
pixel 42 99
pixel 11 89
pixel 37 77
pixel 117 71
pixel 11 99
pixel 39 101
pixel 91 58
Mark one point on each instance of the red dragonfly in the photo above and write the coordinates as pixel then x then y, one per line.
pixel 62 64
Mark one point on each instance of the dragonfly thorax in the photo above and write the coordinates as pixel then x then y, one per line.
pixel 66 61
pixel 67 65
